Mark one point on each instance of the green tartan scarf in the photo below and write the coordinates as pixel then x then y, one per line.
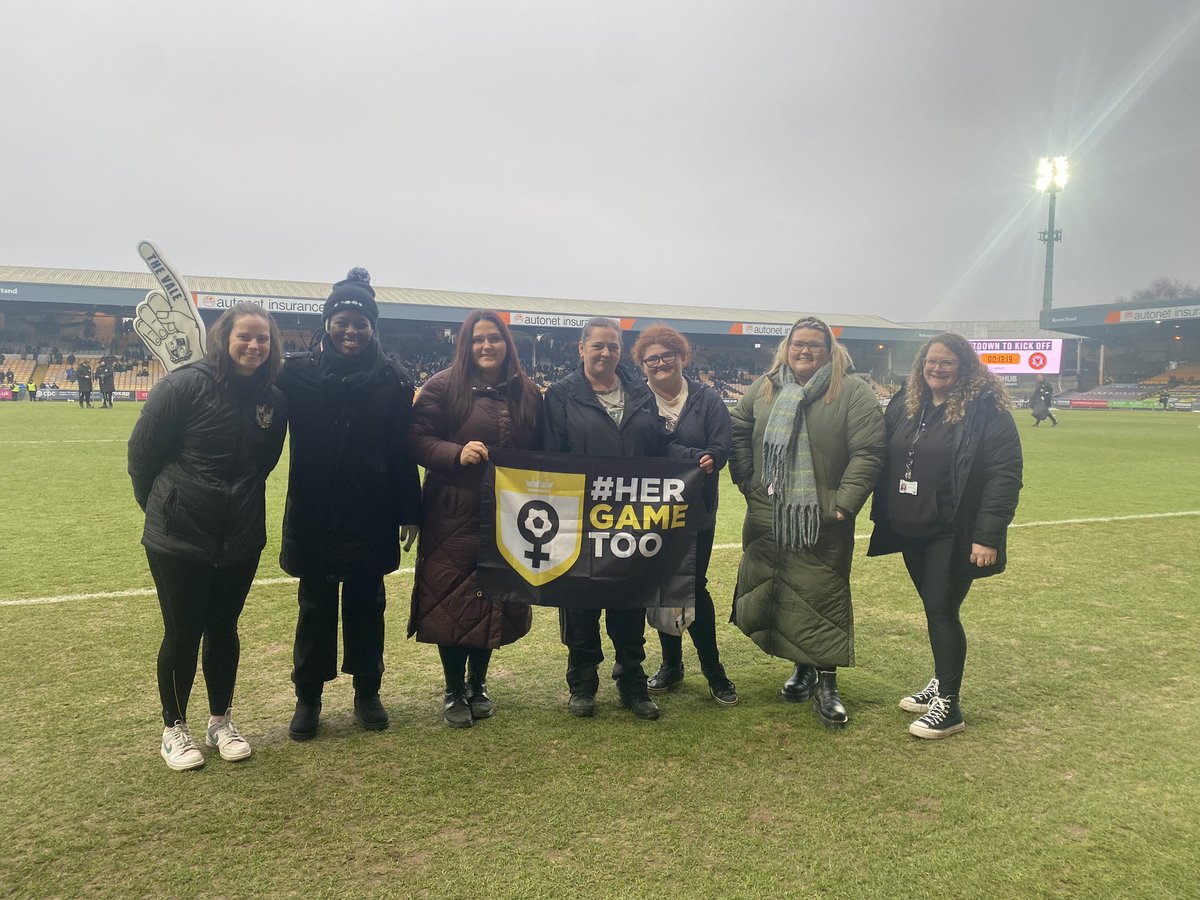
pixel 787 460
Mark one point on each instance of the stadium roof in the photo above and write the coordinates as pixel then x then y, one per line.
pixel 143 281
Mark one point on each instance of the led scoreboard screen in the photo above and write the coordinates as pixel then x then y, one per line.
pixel 1021 357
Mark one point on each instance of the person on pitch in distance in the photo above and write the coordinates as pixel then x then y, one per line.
pixel 807 447
pixel 483 401
pixel 605 409
pixel 699 418
pixel 353 495
pixel 947 493
pixel 199 456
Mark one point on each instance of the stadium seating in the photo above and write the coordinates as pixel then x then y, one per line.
pixel 1184 373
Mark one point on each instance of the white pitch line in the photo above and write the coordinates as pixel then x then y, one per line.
pixel 147 592
pixel 1094 521
pixel 262 582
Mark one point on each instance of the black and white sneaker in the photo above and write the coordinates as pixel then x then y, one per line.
pixel 943 719
pixel 919 702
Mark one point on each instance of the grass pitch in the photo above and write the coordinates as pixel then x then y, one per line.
pixel 1076 775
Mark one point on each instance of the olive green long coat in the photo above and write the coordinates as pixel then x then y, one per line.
pixel 796 604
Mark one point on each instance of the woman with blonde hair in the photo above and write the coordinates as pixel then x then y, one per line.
pixel 807 447
pixel 946 495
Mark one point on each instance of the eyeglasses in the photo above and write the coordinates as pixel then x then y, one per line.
pixel 810 346
pixel 941 363
pixel 663 359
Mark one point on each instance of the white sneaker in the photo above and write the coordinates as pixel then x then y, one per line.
pixel 224 737
pixel 179 750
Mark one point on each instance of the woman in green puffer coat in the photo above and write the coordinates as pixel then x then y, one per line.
pixel 808 443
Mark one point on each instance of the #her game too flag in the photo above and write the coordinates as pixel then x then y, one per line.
pixel 590 531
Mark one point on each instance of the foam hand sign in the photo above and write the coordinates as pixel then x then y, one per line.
pixel 167 320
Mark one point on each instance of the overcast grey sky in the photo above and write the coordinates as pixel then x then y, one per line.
pixel 866 157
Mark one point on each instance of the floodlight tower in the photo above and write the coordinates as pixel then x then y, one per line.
pixel 1052 178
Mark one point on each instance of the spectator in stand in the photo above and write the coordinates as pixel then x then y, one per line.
pixel 104 373
pixel 945 498
pixel 143 372
pixel 8 376
pixel 70 373
pixel 353 496
pixel 199 457
pixel 83 375
pixel 70 359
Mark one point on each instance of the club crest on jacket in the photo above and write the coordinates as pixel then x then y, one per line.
pixel 264 415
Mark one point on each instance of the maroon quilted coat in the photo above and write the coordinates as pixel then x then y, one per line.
pixel 447 607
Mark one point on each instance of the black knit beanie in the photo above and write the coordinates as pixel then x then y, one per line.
pixel 353 293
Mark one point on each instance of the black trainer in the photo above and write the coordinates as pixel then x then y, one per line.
pixel 305 720
pixel 370 712
pixel 667 678
pixel 919 702
pixel 943 719
pixel 722 690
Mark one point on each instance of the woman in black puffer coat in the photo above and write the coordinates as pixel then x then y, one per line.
pixel 353 494
pixel 946 495
pixel 199 456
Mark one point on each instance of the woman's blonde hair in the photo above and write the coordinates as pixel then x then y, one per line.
pixel 842 363
pixel 974 379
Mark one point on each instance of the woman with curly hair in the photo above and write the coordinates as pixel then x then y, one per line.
pixel 945 498
pixel 697 416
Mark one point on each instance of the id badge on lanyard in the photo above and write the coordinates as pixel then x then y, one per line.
pixel 907 484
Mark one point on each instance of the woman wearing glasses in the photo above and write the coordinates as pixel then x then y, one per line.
pixel 947 493
pixel 807 447
pixel 697 416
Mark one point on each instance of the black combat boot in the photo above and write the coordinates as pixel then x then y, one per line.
pixel 826 702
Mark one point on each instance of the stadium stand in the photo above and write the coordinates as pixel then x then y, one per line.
pixel 1184 373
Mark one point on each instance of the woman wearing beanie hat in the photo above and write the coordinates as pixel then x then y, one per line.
pixel 353 495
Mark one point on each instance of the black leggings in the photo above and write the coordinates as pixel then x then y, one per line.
pixel 198 601
pixel 943 593
pixel 455 660
pixel 703 630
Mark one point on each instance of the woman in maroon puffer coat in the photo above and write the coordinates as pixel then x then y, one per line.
pixel 483 400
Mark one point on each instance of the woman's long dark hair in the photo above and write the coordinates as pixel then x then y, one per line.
pixel 523 394
pixel 218 343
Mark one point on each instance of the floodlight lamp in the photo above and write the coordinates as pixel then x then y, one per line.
pixel 1062 171
pixel 1045 173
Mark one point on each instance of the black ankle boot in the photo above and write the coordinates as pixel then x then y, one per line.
pixel 480 703
pixel 368 708
pixel 826 702
pixel 307 716
pixel 455 711
pixel 799 686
